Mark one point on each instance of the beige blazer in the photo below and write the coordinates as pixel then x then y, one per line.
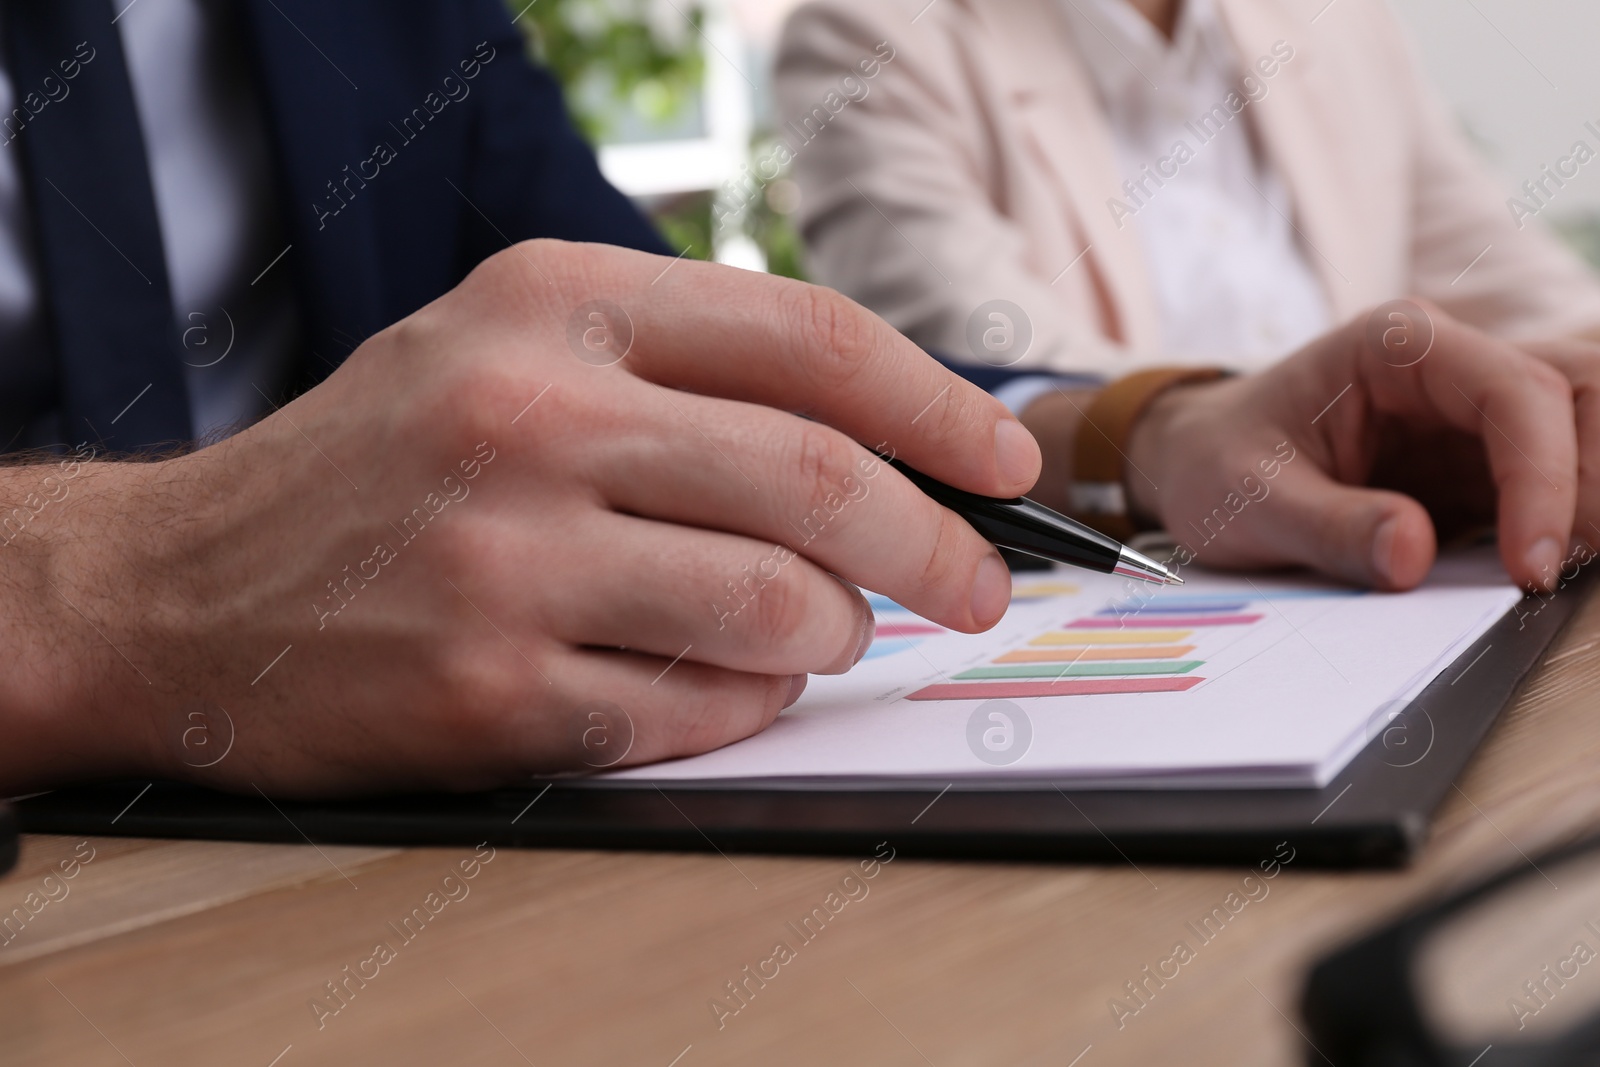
pixel 975 164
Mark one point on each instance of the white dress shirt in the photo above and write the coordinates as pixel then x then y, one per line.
pixel 1230 273
pixel 211 173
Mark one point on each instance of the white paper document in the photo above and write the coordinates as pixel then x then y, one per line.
pixel 1227 681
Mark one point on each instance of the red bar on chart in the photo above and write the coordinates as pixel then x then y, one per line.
pixel 1072 687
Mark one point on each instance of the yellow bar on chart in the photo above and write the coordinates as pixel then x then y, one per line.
pixel 1111 637
pixel 1040 588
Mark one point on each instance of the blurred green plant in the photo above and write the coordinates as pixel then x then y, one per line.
pixel 1582 233
pixel 685 223
pixel 618 60
pixel 770 221
pixel 634 69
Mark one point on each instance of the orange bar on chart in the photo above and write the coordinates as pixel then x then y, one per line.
pixel 1126 621
pixel 1088 655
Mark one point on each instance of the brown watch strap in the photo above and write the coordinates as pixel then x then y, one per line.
pixel 1099 463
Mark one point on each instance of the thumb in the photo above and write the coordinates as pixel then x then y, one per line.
pixel 1372 537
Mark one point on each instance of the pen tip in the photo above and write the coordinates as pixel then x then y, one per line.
pixel 1131 564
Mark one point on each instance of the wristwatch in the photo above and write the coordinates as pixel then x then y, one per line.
pixel 1097 494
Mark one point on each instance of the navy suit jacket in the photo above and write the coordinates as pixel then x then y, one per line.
pixel 398 172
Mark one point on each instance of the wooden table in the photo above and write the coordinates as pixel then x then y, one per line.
pixel 171 953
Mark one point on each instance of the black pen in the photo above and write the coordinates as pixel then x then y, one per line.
pixel 1028 526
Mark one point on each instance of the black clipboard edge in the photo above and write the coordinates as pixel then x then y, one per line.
pixel 8 838
pixel 1374 814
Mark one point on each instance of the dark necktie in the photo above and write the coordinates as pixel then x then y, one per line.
pixel 104 276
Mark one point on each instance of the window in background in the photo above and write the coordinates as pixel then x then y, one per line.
pixel 668 90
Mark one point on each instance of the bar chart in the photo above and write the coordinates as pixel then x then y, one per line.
pixel 900 630
pixel 1146 646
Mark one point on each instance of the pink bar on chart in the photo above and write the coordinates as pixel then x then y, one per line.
pixel 1063 688
pixel 907 629
pixel 1163 621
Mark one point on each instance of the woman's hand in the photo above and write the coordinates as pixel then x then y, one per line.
pixel 1354 454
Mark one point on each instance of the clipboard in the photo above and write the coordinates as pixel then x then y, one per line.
pixel 8 838
pixel 1375 813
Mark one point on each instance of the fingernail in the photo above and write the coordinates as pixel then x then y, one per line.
pixel 1016 453
pixel 1383 548
pixel 991 591
pixel 869 630
pixel 797 685
pixel 1544 559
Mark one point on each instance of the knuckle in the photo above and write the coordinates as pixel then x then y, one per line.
pixel 779 610
pixel 410 347
pixel 463 549
pixel 1550 379
pixel 823 461
pixel 698 728
pixel 475 403
pixel 837 339
pixel 952 419
pixel 467 427
pixel 943 564
pixel 546 274
pixel 509 281
pixel 524 263
pixel 485 691
pixel 725 715
pixel 412 336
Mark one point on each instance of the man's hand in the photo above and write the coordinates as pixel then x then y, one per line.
pixel 559 518
pixel 1348 456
